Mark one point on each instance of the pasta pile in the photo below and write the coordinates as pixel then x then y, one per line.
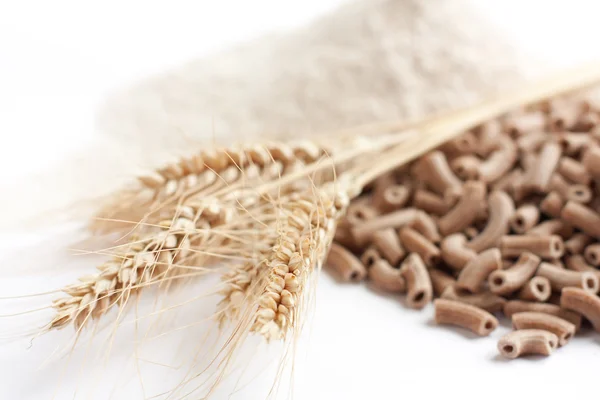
pixel 502 219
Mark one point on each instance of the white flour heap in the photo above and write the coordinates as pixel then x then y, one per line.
pixel 370 60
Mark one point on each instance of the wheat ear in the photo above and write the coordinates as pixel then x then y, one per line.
pixel 203 173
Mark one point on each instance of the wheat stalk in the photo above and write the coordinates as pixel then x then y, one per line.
pixel 203 173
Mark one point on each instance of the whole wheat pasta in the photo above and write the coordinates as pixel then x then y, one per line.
pixel 463 144
pixel 578 263
pixel 548 158
pixel 579 194
pixel 465 211
pixel 391 198
pixel 370 257
pixel 574 171
pixel 586 122
pixel 464 315
pixel 509 181
pixel 564 117
pixel 505 281
pixel 386 277
pixel 547 247
pixel 414 242
pixel 389 246
pixel 417 279
pixel 522 124
pixel 537 288
pixel 466 167
pixel 381 183
pixel 582 217
pixel 347 266
pixel 501 208
pixel 488 135
pixel 561 278
pixel 516 306
pixel 499 161
pixel 572 143
pixel 343 235
pixel 477 270
pixel 360 211
pixel 592 254
pixel 363 233
pixel 591 162
pixel 582 302
pixel 454 251
pixel 471 232
pixel 577 243
pixel 430 202
pixel 559 185
pixel 525 218
pixel 426 226
pixel 484 300
pixel 527 341
pixel 552 227
pixel 552 204
pixel 440 281
pixel 433 169
pixel 532 142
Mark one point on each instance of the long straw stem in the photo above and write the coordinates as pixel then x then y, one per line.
pixel 435 132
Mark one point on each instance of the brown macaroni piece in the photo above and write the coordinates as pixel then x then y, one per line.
pixel 463 144
pixel 466 167
pixel 501 208
pixel 505 281
pixel 537 288
pixel 360 212
pixel 582 217
pixel 573 143
pixel 391 198
pixel 564 330
pixel 525 218
pixel 386 277
pixel 551 247
pixel 454 251
pixel 477 270
pixel 516 306
pixel 464 315
pixel 499 161
pixel 430 202
pixel 577 243
pixel 484 300
pixel 465 211
pixel 559 185
pixel 548 158
pixel 363 233
pixel 582 302
pixel 591 162
pixel 434 171
pixel 527 341
pixel 389 246
pixel 417 279
pixel 519 125
pixel 370 257
pixel 579 194
pixel 426 226
pixel 552 227
pixel 552 204
pixel 574 171
pixel 561 278
pixel 440 281
pixel 414 242
pixel 348 267
pixel 592 254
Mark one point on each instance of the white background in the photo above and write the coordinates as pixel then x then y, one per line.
pixel 57 62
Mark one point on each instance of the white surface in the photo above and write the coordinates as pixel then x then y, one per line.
pixel 57 60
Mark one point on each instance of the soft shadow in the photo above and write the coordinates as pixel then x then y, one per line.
pixel 465 333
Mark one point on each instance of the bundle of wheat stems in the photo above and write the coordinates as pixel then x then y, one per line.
pixel 263 215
